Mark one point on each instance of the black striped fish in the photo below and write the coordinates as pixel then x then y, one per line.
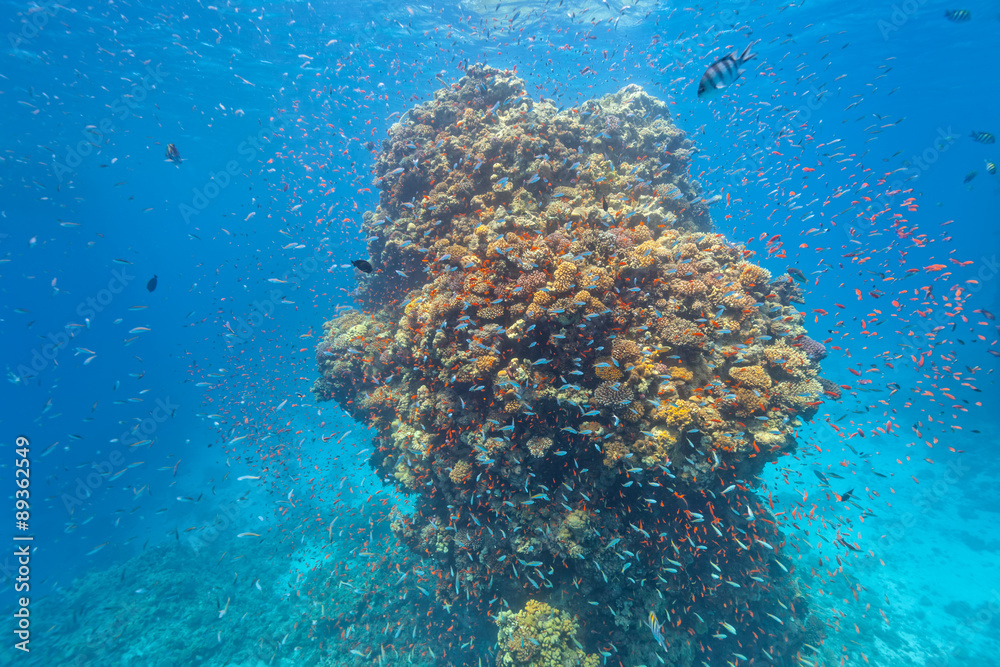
pixel 723 72
pixel 983 137
pixel 958 15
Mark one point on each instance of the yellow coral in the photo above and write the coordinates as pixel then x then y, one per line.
pixel 604 368
pixel 538 445
pixel 634 412
pixel 597 278
pixel 680 373
pixel 563 277
pixel 540 636
pixel 460 472
pixel 485 362
pixel 790 360
pixel 643 255
pixel 748 402
pixel 754 276
pixel 491 312
pixel 679 415
pixel 542 299
pixel 754 377
pixel 405 475
pixel 614 451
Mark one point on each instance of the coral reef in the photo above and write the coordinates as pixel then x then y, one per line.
pixel 540 636
pixel 560 359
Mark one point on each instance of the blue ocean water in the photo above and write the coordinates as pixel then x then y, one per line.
pixel 190 500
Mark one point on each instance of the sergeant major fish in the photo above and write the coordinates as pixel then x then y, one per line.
pixel 723 72
pixel 983 137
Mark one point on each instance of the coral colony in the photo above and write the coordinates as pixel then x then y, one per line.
pixel 577 381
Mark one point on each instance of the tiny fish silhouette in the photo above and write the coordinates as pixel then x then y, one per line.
pixel 151 285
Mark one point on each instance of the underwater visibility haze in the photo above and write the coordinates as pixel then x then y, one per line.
pixel 527 334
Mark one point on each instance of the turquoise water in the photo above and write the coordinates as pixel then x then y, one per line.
pixel 193 502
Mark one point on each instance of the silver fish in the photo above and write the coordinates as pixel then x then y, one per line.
pixel 723 72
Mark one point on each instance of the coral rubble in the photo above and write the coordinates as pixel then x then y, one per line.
pixel 577 380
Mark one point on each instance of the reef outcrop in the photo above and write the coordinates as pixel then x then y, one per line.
pixel 577 380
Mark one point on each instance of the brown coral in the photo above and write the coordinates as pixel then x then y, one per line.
pixel 538 445
pixel 563 280
pixel 753 276
pixel 491 312
pixel 613 394
pixel 486 362
pixel 460 472
pixel 754 377
pixel 625 351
